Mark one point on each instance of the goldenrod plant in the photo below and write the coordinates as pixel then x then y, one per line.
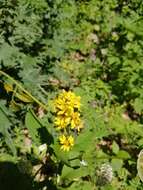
pixel 71 94
pixel 67 120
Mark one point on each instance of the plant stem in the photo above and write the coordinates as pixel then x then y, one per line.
pixel 25 91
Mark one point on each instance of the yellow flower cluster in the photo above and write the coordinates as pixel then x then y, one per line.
pixel 67 107
pixel 66 142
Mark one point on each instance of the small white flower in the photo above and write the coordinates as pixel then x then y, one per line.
pixel 42 147
pixel 83 163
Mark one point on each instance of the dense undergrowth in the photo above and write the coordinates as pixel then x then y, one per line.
pixel 92 49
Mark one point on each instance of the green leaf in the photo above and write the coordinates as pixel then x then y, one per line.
pixel 80 185
pixel 117 164
pixel 9 54
pixel 71 174
pixel 4 129
pixel 84 140
pixel 83 185
pixel 138 105
pixel 7 158
pixel 123 154
pixel 33 125
pixel 115 147
pixel 61 155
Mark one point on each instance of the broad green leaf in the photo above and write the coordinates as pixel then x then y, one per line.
pixel 61 155
pixel 33 125
pixel 122 154
pixel 84 140
pixel 71 174
pixel 117 164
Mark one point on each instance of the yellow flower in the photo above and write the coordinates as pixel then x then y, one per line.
pixel 65 110
pixel 66 102
pixel 80 126
pixel 62 121
pixel 72 99
pixel 66 142
pixel 75 120
pixel 62 107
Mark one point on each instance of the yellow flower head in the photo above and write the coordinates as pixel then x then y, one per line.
pixel 71 99
pixel 80 126
pixel 62 108
pixel 75 119
pixel 66 102
pixel 66 142
pixel 62 122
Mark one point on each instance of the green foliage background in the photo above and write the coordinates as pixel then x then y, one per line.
pixel 94 48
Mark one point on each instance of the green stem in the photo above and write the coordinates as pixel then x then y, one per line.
pixel 25 91
pixel 14 92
